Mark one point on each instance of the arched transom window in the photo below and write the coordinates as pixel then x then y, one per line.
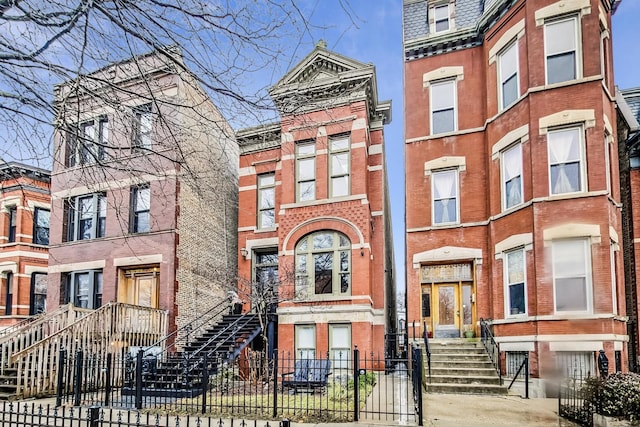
pixel 323 264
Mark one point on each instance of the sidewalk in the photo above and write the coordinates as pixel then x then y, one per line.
pixel 449 410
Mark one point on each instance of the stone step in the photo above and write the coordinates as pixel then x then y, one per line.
pixel 468 380
pixel 460 364
pixel 456 357
pixel 463 371
pixel 457 350
pixel 466 388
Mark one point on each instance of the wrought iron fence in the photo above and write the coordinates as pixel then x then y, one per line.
pixel 573 403
pixel 490 344
pixel 346 387
pixel 32 415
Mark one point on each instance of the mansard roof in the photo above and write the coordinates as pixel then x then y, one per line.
pixel 325 79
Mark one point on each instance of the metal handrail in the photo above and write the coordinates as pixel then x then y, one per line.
pixel 490 344
pixel 427 349
pixel 524 365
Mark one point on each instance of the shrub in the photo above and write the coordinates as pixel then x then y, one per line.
pixel 616 396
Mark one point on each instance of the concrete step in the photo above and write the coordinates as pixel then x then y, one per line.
pixel 463 371
pixel 466 388
pixel 467 380
pixel 458 357
pixel 456 364
pixel 458 350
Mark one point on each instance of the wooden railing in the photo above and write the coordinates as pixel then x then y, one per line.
pixel 112 328
pixel 28 333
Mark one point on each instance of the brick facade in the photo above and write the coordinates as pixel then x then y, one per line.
pixel 325 108
pixel 527 306
pixel 182 257
pixel 24 199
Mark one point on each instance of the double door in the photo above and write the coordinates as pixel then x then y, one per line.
pixel 448 309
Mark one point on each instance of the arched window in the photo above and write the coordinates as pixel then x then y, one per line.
pixel 323 264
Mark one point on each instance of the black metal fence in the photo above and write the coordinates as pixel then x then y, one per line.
pixel 32 415
pixel 349 386
pixel 573 403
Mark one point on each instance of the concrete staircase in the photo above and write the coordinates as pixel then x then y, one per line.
pixel 461 366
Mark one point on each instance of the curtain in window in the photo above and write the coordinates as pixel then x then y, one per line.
pixel 444 194
pixel 564 160
pixel 306 343
pixel 512 176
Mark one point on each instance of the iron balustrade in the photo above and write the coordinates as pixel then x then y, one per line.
pixel 490 345
pixel 427 350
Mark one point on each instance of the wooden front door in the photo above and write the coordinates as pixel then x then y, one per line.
pixel 139 287
pixel 446 306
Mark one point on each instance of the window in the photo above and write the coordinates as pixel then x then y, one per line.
pixel 140 204
pixel 38 293
pixel 441 18
pixel 83 288
pixel 426 302
pixel 572 275
pixel 13 219
pixel 266 277
pixel 443 107
pixel 512 177
pixel 323 263
pixel 515 278
pixel 508 75
pixel 566 166
pixel 86 217
pixel 8 295
pixel 614 289
pixel 41 226
pixel 444 188
pixel 576 364
pixel 267 200
pixel 142 124
pixel 306 171
pixel 514 361
pixel 340 345
pixel 339 166
pixel 86 143
pixel 305 342
pixel 604 56
pixel 560 38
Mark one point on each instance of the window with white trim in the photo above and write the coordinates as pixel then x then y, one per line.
pixel 13 220
pixel 41 219
pixel 140 220
pixel 86 217
pixel 577 365
pixel 323 263
pixel 444 190
pixel 339 165
pixel 305 342
pixel 511 165
pixel 561 49
pixel 38 302
pixel 443 106
pixel 515 280
pixel 572 275
pixel 441 18
pixel 614 290
pixel 267 200
pixel 340 344
pixel 566 160
pixel 306 171
pixel 509 85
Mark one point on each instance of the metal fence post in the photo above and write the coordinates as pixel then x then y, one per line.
pixel 138 402
pixel 356 384
pixel 418 384
pixel 107 380
pixel 93 419
pixel 526 376
pixel 275 383
pixel 62 360
pixel 77 379
pixel 205 382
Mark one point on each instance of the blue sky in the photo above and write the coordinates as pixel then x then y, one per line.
pixel 374 34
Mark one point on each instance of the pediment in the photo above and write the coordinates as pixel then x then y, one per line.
pixel 320 65
pixel 446 254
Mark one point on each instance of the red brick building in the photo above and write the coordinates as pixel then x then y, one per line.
pixel 25 205
pixel 512 185
pixel 314 222
pixel 144 191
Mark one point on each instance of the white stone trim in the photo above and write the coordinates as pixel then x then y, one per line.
pixel 30 269
pixel 445 162
pixel 377 213
pixel 357 145
pixel 375 149
pixel 576 346
pixel 446 253
pixel 267 242
pixel 521 133
pixel 32 204
pixel 359 124
pixel 563 7
pixel 374 168
pixel 516 31
pixel 518 346
pixel 7 266
pixel 112 185
pixel 567 117
pixel 572 230
pixel 613 235
pixel 350 313
pixel 9 202
pixel 247 188
pixel 355 228
pixel 562 338
pixel 286 206
pixel 524 239
pixel 77 266
pixel 607 125
pixel 137 260
pixel 442 73
pixel 249 170
pixel 28 254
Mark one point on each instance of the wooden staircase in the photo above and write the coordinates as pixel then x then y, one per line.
pixel 461 366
